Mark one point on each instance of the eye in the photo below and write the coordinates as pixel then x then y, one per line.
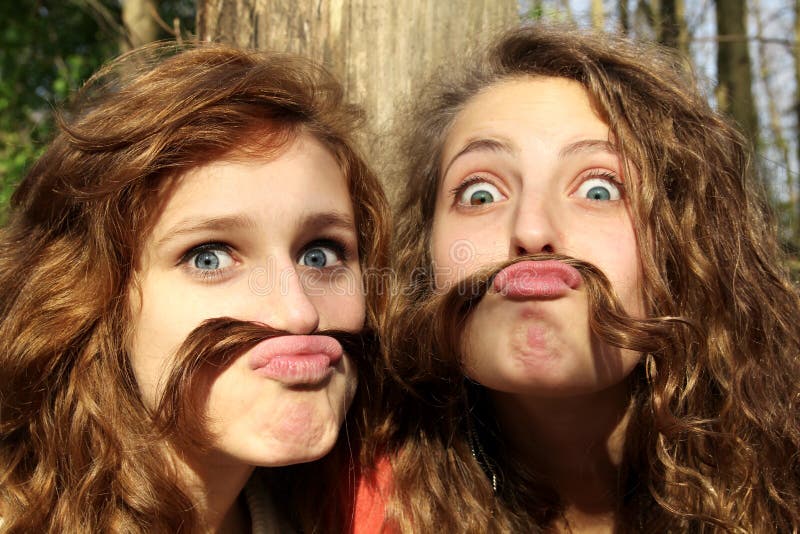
pixel 478 192
pixel 209 257
pixel 600 189
pixel 208 262
pixel 322 254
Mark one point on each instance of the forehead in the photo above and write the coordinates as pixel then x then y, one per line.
pixel 301 179
pixel 552 108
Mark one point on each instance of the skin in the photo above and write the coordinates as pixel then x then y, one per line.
pixel 239 239
pixel 539 173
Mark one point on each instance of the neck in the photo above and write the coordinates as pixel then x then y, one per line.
pixel 576 443
pixel 215 486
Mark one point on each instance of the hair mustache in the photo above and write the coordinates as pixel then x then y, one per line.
pixel 607 316
pixel 180 413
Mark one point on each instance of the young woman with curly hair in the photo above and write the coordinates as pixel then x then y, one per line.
pixel 183 316
pixel 593 329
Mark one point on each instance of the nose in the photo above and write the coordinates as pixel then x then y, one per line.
pixel 534 230
pixel 286 306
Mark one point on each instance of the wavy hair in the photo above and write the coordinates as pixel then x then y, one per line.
pixel 714 433
pixel 79 449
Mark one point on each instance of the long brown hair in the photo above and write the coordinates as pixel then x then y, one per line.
pixel 715 428
pixel 79 449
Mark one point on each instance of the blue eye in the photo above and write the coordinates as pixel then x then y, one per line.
pixel 478 193
pixel 319 256
pixel 598 192
pixel 207 260
pixel 600 189
pixel 209 257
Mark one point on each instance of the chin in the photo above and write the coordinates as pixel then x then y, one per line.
pixel 276 425
pixel 298 448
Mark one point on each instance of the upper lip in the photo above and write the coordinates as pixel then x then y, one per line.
pixel 292 345
pixel 541 270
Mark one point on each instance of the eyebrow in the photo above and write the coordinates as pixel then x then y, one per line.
pixel 588 145
pixel 481 145
pixel 229 223
pixel 327 219
pixel 497 145
pixel 194 225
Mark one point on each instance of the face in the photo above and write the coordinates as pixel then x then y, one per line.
pixel 529 167
pixel 267 241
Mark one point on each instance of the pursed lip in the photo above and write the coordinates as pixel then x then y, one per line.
pixel 296 360
pixel 546 279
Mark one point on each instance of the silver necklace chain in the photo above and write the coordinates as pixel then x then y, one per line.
pixel 480 455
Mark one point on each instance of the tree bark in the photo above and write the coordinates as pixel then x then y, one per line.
pixel 598 15
pixel 380 49
pixel 795 201
pixel 624 16
pixel 735 81
pixel 774 115
pixel 138 19
pixel 672 26
pixel 565 12
pixel 646 13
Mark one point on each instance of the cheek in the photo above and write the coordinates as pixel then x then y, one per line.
pixel 351 382
pixel 340 300
pixel 618 258
pixel 458 248
pixel 161 323
pixel 345 310
pixel 148 354
pixel 631 294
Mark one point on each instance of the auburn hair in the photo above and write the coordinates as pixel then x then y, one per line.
pixel 79 449
pixel 714 434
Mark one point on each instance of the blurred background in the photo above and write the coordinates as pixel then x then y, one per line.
pixel 745 52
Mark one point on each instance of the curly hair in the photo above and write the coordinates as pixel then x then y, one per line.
pixel 714 435
pixel 79 449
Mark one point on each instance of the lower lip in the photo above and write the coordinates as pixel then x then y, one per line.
pixel 537 279
pixel 296 360
pixel 298 369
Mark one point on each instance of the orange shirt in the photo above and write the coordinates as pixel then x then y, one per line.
pixel 370 501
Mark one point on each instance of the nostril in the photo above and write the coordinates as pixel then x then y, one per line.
pixel 546 249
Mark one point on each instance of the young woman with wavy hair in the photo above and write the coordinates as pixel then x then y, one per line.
pixel 593 329
pixel 182 306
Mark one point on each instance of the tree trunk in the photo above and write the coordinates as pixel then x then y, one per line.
pixel 624 16
pixel 672 29
pixel 647 15
pixel 139 20
pixel 795 201
pixel 774 117
pixel 598 15
pixel 565 12
pixel 380 49
pixel 735 82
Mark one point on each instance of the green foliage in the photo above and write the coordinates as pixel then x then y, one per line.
pixel 535 12
pixel 47 49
